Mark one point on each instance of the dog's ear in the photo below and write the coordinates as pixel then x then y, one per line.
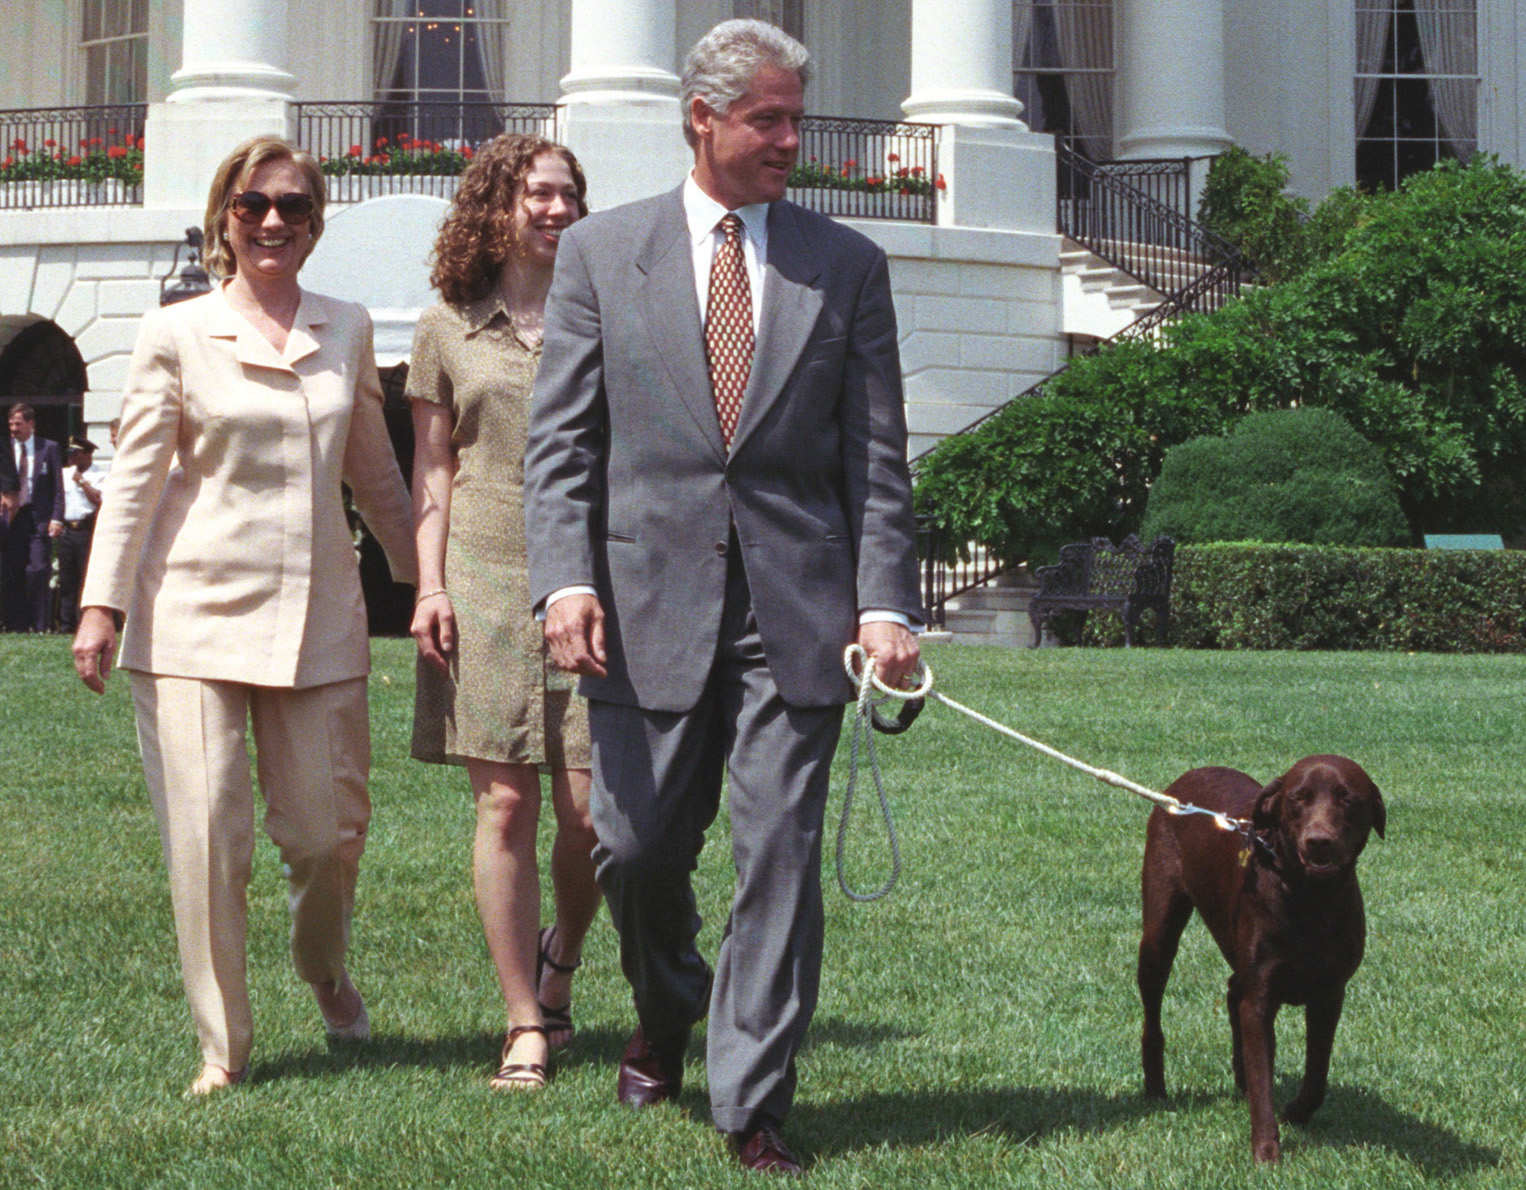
pixel 1379 811
pixel 1264 816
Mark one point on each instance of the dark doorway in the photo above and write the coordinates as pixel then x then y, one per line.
pixel 42 367
pixel 389 605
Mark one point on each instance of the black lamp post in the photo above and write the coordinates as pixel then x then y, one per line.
pixel 193 280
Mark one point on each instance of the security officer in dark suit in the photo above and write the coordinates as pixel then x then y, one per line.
pixel 26 547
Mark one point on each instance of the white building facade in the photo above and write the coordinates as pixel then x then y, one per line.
pixel 1349 90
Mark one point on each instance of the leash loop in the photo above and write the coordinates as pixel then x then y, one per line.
pixel 867 681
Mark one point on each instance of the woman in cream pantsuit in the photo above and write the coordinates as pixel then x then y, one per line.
pixel 224 544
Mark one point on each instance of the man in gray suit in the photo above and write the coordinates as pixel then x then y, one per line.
pixel 717 502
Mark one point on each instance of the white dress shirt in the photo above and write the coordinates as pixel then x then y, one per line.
pixel 77 505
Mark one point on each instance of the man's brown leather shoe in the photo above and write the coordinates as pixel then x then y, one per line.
pixel 765 1152
pixel 650 1074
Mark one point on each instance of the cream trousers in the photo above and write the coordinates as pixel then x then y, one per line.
pixel 312 754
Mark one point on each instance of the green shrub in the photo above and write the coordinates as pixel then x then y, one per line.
pixel 1324 597
pixel 1246 204
pixel 1290 475
pixel 1414 331
pixel 1071 462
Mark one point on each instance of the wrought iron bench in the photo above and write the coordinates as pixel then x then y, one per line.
pixel 1096 575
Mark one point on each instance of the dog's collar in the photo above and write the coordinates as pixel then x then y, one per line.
pixel 1258 844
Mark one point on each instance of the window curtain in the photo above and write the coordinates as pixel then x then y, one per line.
pixel 1449 42
pixel 387 43
pixel 788 15
pixel 1085 34
pixel 1022 26
pixel 1372 31
pixel 493 38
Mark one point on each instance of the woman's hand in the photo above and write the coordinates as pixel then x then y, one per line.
pixel 95 644
pixel 434 628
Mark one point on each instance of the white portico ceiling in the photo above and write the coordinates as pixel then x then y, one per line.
pixel 377 253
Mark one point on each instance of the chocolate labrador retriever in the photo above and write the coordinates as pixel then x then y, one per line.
pixel 1283 906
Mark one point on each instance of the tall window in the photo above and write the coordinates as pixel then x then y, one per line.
pixel 451 52
pixel 1062 70
pixel 114 36
pixel 1416 86
pixel 788 15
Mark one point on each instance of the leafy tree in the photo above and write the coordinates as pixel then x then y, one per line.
pixel 1410 322
pixel 1245 202
pixel 1290 475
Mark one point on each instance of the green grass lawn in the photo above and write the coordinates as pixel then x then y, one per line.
pixel 979 1028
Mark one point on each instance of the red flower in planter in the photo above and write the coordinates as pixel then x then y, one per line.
pixel 467 152
pixel 356 151
pixel 49 143
pixel 75 161
pixel 116 151
pixel 940 183
pixel 892 158
pixel 850 164
pixel 381 142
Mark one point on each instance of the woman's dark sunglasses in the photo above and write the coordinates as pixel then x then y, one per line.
pixel 251 206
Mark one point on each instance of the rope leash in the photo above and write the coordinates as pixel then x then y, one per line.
pixel 868 683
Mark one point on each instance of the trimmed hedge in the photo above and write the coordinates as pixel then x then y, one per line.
pixel 1286 475
pixel 1326 597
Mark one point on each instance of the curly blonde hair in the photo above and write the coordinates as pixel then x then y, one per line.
pixel 233 176
pixel 478 233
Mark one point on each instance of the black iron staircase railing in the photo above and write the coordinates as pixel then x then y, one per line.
pixel 1139 234
pixel 1153 241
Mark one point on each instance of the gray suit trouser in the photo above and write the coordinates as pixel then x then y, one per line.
pixel 656 789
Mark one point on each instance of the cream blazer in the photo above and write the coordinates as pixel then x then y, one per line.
pixel 223 536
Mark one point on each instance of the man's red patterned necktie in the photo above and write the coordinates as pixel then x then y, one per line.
pixel 728 327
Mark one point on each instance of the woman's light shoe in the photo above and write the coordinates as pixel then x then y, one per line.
pixel 213 1079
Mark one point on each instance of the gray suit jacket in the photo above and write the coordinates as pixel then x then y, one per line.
pixel 629 487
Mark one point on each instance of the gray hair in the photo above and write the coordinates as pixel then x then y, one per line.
pixel 723 63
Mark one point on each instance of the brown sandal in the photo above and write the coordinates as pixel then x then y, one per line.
pixel 557 1020
pixel 519 1076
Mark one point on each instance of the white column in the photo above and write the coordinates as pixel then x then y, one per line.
pixel 233 52
pixel 621 116
pixel 232 84
pixel 1171 78
pixel 621 50
pixel 961 64
pixel 996 174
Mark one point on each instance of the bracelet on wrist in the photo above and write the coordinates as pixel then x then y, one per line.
pixel 423 595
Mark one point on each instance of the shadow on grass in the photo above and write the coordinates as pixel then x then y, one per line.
pixel 1354 1117
pixel 1351 1118
pixel 470 1053
pixel 913 1118
pixel 851 1035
